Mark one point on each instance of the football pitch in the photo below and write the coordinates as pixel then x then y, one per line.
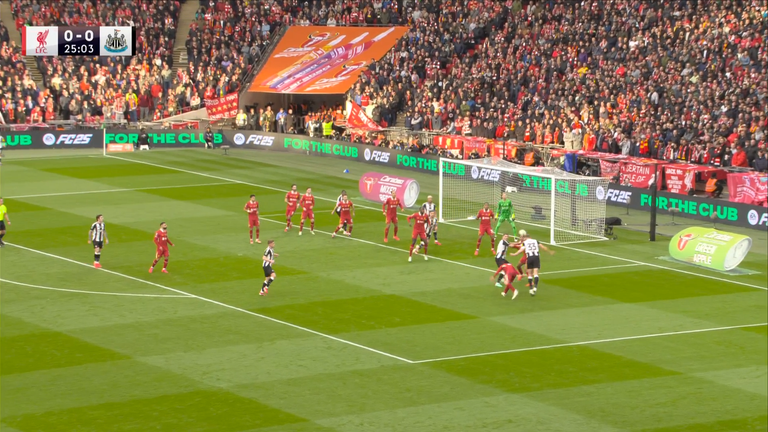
pixel 352 337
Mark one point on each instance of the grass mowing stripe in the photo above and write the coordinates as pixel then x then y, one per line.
pixel 205 299
pixel 115 190
pixel 593 342
pixel 93 292
pixel 377 209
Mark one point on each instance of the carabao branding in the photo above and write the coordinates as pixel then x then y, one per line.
pixel 378 187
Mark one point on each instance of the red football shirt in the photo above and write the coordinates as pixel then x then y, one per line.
pixel 253 207
pixel 485 217
pixel 307 202
pixel 346 208
pixel 161 239
pixel 421 221
pixel 391 205
pixel 509 270
pixel 293 198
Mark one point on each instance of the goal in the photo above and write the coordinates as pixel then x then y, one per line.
pixel 569 206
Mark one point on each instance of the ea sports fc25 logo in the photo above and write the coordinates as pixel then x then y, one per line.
pixel 376 156
pixel 67 139
pixel 253 139
pixel 485 174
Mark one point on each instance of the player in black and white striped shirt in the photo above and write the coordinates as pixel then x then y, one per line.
pixel 501 257
pixel 338 209
pixel 97 236
pixel 430 209
pixel 266 264
pixel 532 248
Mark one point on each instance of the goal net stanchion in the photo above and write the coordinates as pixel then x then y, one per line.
pixel 570 207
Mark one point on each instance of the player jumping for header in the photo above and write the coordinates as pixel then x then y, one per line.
pixel 419 232
pixel 430 209
pixel 291 201
pixel 505 212
pixel 346 213
pixel 531 248
pixel 162 242
pixel 307 203
pixel 252 208
pixel 485 215
pixel 390 212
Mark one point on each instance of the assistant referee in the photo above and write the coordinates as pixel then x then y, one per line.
pixel 3 218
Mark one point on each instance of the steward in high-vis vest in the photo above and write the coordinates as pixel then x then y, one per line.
pixel 714 187
pixel 327 128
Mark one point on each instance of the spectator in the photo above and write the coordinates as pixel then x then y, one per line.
pixel 761 163
pixel 739 158
pixel 241 119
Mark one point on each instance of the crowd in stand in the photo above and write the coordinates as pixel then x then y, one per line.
pixel 683 80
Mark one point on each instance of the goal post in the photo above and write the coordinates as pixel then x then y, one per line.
pixel 570 208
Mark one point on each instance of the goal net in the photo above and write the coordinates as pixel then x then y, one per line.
pixel 569 206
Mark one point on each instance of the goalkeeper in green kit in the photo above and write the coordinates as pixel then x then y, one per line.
pixel 505 212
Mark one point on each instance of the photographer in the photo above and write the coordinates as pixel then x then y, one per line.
pixel 208 138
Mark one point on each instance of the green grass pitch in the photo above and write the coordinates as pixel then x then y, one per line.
pixel 351 337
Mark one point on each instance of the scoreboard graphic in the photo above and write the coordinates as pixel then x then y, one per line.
pixel 108 41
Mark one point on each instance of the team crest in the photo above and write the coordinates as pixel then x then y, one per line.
pixel 349 68
pixel 116 43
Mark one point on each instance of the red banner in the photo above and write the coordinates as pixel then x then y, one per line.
pixel 609 169
pixel 359 120
pixel 748 188
pixel 323 60
pixel 680 178
pixel 640 174
pixel 449 142
pixel 223 107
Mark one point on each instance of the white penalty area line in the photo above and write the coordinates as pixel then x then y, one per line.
pixel 592 342
pixel 116 190
pixel 93 292
pixel 719 279
pixel 228 306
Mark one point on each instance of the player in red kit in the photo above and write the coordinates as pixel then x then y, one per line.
pixel 419 231
pixel 291 201
pixel 162 242
pixel 346 213
pixel 485 216
pixel 523 261
pixel 252 208
pixel 307 203
pixel 509 275
pixel 390 211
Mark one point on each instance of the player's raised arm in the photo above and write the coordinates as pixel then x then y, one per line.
pixel 551 252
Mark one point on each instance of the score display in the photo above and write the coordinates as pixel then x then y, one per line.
pixel 108 41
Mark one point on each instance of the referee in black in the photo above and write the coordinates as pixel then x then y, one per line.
pixel 97 236
pixel 338 208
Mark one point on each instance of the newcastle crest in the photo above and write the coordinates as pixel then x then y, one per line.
pixel 116 43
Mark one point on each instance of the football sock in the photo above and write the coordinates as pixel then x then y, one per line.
pixel 514 229
pixel 435 233
pixel 395 230
pixel 269 282
pixel 345 226
pixel 493 243
pixel 386 232
pixel 154 263
pixel 350 229
pixel 257 233
pixel 288 223
pixel 520 269
pixel 1 236
pixel 509 287
pixel 501 276
pixel 425 249
pixel 251 233
pixel 96 257
pixel 498 224
pixel 312 225
pixel 536 281
pixel 478 242
pixel 336 230
pixel 301 226
pixel 165 263
pixel 530 281
pixel 410 252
